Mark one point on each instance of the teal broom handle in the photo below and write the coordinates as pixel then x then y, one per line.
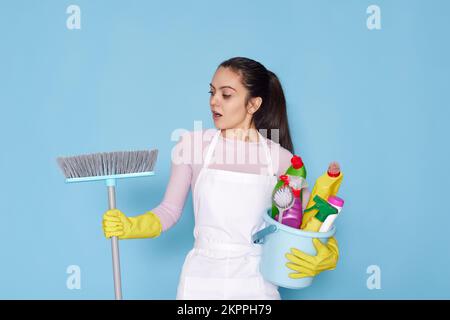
pixel 115 243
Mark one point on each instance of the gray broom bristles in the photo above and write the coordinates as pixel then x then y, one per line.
pixel 107 163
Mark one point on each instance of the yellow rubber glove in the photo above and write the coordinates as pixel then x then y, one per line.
pixel 146 225
pixel 310 266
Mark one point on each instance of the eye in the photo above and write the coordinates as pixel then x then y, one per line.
pixel 210 92
pixel 226 96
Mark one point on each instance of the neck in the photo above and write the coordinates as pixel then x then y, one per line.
pixel 249 134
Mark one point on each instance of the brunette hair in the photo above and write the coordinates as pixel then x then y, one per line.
pixel 261 82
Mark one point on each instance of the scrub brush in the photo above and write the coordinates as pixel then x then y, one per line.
pixel 283 199
pixel 109 166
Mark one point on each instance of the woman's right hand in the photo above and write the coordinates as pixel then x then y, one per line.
pixel 117 224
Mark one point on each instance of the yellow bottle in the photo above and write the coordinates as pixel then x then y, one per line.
pixel 313 225
pixel 326 185
pixel 323 209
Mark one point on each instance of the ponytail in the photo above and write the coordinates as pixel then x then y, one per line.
pixel 274 114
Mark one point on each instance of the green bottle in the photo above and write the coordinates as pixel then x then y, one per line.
pixel 298 169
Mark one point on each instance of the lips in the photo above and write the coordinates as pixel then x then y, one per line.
pixel 216 114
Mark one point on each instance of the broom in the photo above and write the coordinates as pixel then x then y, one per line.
pixel 109 166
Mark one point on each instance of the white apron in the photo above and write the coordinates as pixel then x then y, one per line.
pixel 228 209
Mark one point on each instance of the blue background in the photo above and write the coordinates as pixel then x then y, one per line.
pixel 375 100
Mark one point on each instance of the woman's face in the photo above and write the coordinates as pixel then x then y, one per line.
pixel 227 101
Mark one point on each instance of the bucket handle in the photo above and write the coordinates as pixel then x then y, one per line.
pixel 258 237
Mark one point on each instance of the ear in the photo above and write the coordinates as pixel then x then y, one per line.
pixel 254 104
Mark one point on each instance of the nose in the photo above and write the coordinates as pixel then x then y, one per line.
pixel 213 101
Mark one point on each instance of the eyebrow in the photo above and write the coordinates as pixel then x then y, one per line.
pixel 223 87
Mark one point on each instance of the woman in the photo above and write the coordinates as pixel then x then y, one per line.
pixel 228 198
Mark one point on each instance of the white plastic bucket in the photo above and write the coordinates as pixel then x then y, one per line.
pixel 277 240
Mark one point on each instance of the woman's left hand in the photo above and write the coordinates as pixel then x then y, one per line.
pixel 310 266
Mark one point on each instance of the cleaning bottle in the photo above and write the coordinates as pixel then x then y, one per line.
pixel 322 210
pixel 326 185
pixel 296 169
pixel 338 203
pixel 292 216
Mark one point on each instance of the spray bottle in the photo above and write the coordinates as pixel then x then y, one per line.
pixel 293 216
pixel 297 169
pixel 323 210
pixel 326 185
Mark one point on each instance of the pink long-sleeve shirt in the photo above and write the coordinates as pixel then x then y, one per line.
pixel 230 154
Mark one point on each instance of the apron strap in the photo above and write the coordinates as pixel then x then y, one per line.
pixel 211 148
pixel 213 144
pixel 268 156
